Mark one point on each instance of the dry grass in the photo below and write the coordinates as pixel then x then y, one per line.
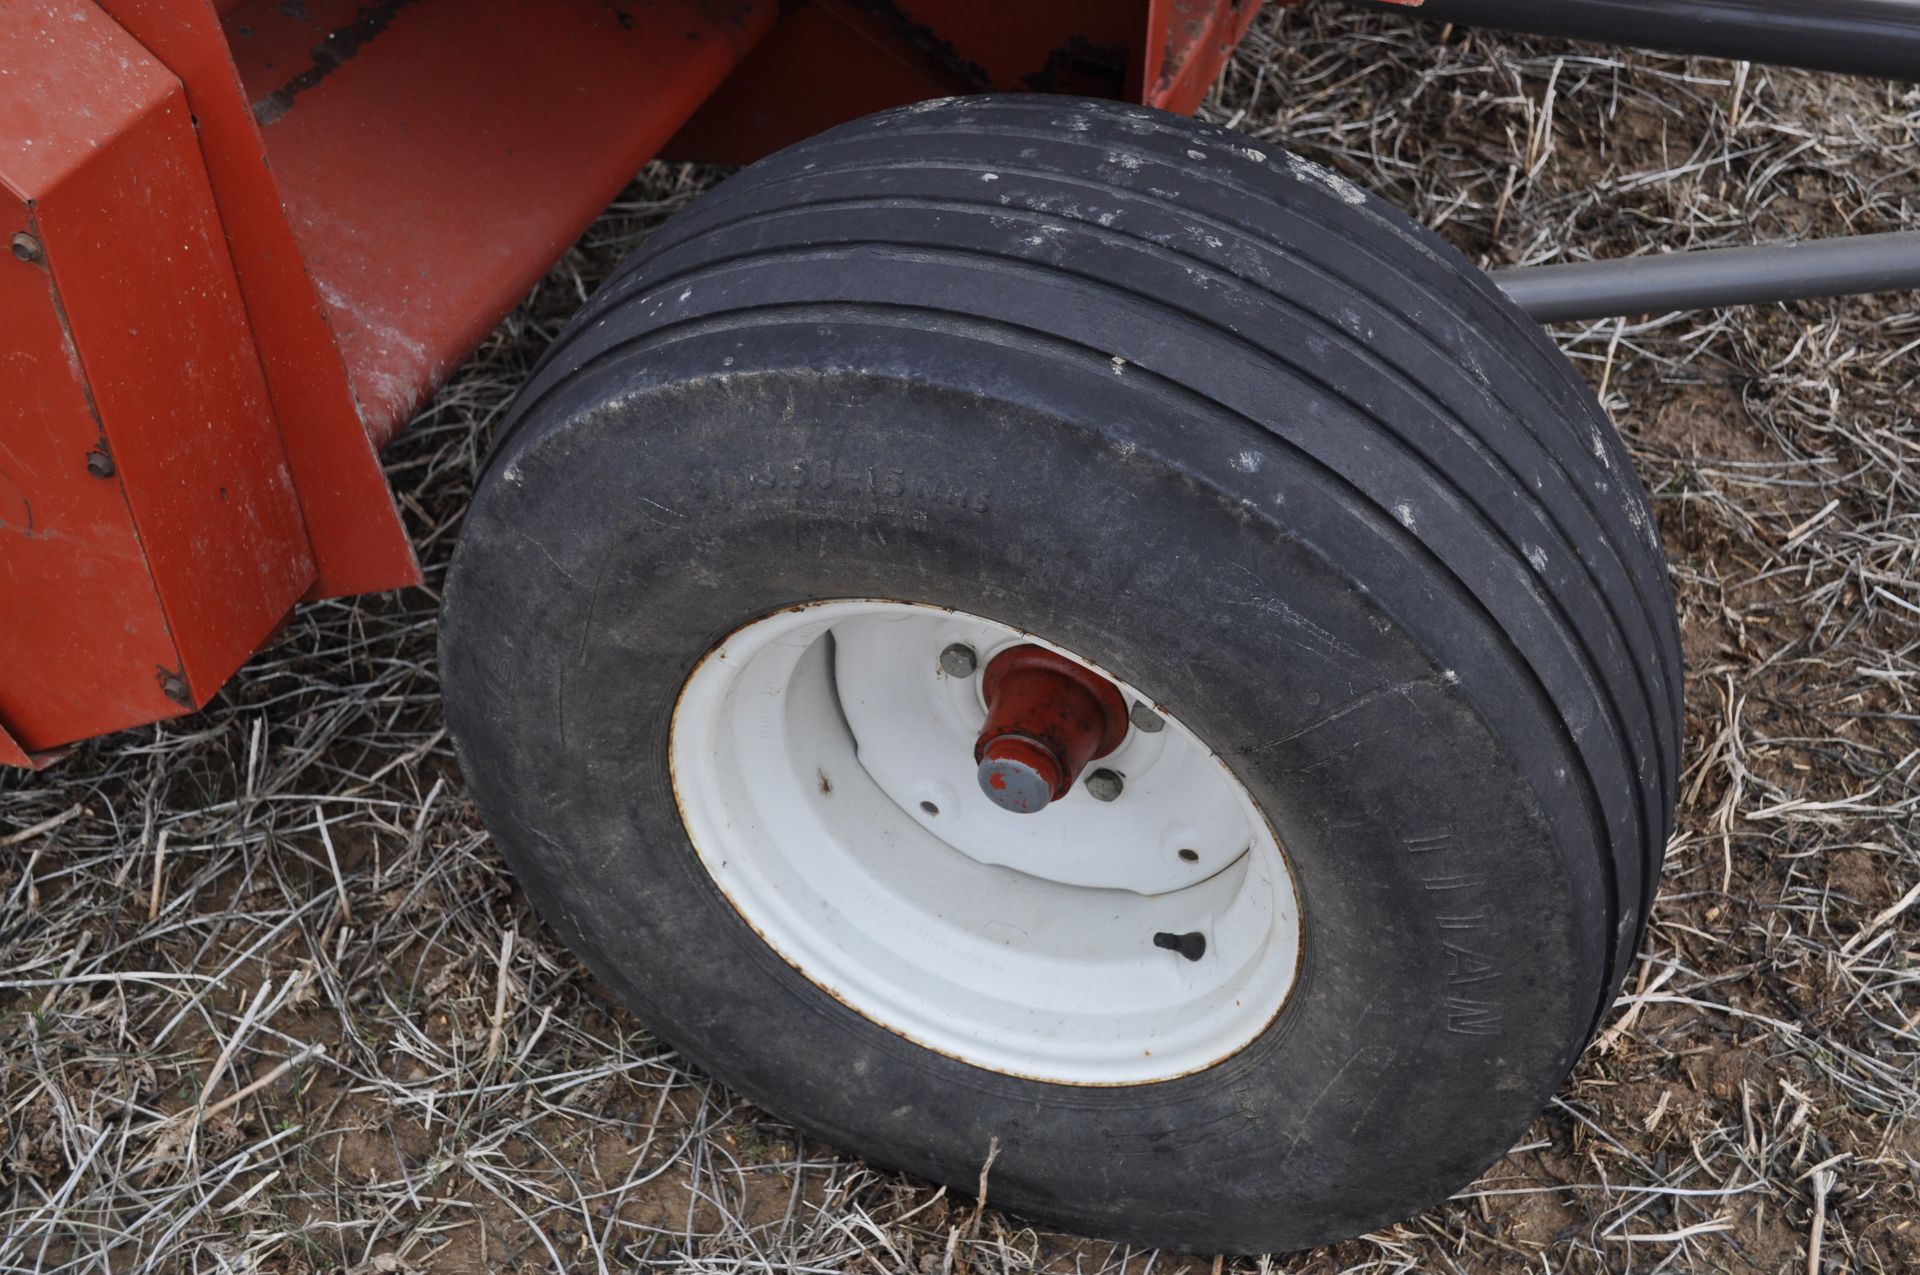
pixel 272 1003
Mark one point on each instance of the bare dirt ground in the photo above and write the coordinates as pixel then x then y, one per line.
pixel 270 1001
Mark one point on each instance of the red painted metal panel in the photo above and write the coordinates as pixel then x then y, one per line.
pixel 358 542
pixel 780 95
pixel 834 60
pixel 1189 41
pixel 130 257
pixel 436 156
pixel 11 754
pixel 1015 46
pixel 82 634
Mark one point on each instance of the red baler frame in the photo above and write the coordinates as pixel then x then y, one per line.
pixel 249 239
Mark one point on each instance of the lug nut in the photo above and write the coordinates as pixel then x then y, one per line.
pixel 959 660
pixel 1145 719
pixel 99 464
pixel 1104 785
pixel 26 247
pixel 174 687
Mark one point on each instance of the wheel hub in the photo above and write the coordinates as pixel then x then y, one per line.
pixel 1047 717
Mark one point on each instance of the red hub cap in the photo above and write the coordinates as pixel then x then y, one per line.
pixel 1047 717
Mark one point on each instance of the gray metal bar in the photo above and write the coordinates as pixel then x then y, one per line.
pixel 1716 276
pixel 1855 37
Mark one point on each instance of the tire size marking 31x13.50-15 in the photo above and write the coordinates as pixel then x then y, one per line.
pixel 805 474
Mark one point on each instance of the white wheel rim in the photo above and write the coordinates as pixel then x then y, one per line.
pixel 802 749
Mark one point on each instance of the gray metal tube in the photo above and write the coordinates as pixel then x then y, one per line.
pixel 1716 276
pixel 1855 37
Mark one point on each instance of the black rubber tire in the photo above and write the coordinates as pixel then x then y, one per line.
pixel 1216 420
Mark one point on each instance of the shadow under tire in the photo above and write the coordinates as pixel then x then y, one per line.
pixel 1219 424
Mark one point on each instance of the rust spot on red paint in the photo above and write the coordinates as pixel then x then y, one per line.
pixel 340 47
